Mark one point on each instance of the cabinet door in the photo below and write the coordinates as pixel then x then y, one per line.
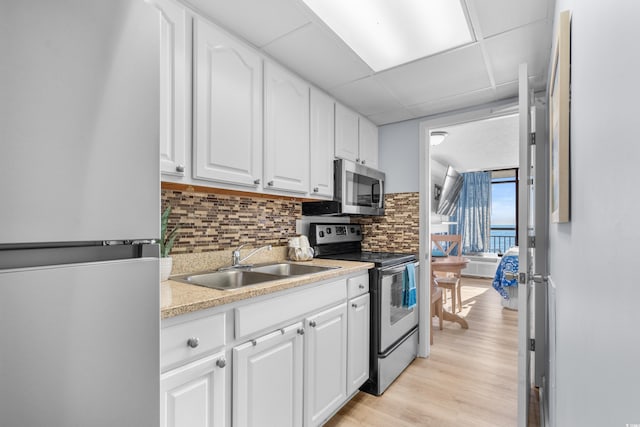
pixel 358 351
pixel 194 395
pixel 228 108
pixel 173 87
pixel 326 364
pixel 368 143
pixel 321 144
pixel 286 139
pixel 267 380
pixel 346 143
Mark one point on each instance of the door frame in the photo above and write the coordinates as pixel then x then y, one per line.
pixel 487 111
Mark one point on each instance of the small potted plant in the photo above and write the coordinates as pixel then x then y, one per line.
pixel 167 239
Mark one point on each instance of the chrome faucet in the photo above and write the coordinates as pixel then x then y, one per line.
pixel 236 261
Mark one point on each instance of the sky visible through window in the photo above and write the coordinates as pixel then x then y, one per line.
pixel 503 203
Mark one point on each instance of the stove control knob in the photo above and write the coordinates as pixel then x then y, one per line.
pixel 328 230
pixel 353 229
pixel 321 233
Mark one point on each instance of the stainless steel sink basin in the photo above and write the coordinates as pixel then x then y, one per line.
pixel 229 279
pixel 288 269
pixel 233 278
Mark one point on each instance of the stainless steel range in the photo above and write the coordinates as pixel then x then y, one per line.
pixel 394 326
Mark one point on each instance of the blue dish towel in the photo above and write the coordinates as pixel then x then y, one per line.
pixel 409 293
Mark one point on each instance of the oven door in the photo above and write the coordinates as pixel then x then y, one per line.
pixel 395 319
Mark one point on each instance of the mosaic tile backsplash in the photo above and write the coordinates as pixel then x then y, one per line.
pixel 217 222
pixel 398 230
pixel 214 222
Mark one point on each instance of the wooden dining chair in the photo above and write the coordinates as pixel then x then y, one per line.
pixel 449 245
pixel 436 309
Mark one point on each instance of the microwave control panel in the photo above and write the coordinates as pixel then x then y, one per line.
pixel 321 234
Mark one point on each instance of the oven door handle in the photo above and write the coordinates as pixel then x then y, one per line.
pixel 400 269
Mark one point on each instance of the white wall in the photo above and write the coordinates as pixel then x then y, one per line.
pixel 398 156
pixel 592 258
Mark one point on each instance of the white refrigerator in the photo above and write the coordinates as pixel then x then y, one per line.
pixel 79 213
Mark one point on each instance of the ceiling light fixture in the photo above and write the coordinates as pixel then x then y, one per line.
pixel 387 33
pixel 437 136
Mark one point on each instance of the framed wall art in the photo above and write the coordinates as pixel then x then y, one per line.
pixel 559 109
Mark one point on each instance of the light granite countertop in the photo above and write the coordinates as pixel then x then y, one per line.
pixel 181 298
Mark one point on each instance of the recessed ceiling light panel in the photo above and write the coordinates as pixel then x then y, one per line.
pixel 387 33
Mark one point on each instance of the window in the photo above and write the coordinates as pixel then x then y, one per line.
pixel 504 210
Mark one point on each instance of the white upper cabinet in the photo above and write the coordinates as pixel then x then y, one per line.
pixel 346 134
pixel 356 137
pixel 286 127
pixel 368 143
pixel 228 108
pixel 173 87
pixel 321 144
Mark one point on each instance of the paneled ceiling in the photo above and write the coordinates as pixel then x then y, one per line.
pixel 507 33
pixel 488 144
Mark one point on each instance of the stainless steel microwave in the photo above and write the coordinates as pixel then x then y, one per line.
pixel 358 190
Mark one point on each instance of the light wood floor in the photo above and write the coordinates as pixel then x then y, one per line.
pixel 470 378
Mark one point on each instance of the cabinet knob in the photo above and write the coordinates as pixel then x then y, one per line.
pixel 354 305
pixel 316 189
pixel 301 331
pixel 221 363
pixel 256 181
pixel 270 183
pixel 364 161
pixel 193 342
pixel 312 323
pixel 360 286
pixel 180 168
pixel 357 160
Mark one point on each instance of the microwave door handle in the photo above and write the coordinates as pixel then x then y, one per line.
pixel 381 195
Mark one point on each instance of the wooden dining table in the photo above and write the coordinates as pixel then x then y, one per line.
pixel 449 264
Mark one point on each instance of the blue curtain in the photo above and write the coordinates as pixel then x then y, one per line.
pixel 473 215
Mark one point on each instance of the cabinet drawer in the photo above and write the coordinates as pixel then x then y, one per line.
pixel 187 340
pixel 256 317
pixel 358 285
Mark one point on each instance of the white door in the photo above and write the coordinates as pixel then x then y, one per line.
pixel 321 144
pixel 532 240
pixel 267 380
pixel 358 346
pixel 194 395
pixel 286 131
pixel 325 364
pixel 228 108
pixel 525 259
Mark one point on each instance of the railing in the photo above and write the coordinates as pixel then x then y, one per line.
pixel 502 238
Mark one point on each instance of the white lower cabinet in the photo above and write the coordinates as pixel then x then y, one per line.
pixel 325 364
pixel 268 379
pixel 193 395
pixel 358 339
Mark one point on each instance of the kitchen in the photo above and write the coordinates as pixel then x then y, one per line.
pixel 58 200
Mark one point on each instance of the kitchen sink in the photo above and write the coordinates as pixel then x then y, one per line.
pixel 229 279
pixel 288 269
pixel 254 275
